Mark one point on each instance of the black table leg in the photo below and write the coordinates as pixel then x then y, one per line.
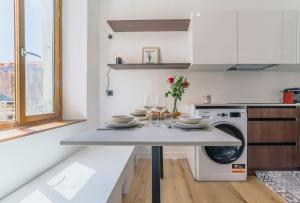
pixel 161 158
pixel 155 174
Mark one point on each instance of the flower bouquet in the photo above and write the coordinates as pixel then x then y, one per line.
pixel 178 85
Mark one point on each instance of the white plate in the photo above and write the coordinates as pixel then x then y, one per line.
pixel 133 123
pixel 202 124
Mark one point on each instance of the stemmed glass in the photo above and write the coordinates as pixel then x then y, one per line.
pixel 160 105
pixel 148 103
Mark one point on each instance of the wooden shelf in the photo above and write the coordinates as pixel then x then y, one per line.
pixel 149 25
pixel 137 66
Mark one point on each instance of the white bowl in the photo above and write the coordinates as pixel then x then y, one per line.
pixel 189 119
pixel 140 112
pixel 122 119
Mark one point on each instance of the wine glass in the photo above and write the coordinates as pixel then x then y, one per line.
pixel 148 103
pixel 160 105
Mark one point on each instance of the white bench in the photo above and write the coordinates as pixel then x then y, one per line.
pixel 94 174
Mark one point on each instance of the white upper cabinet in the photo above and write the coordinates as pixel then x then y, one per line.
pixel 259 36
pixel 214 39
pixel 221 39
pixel 289 37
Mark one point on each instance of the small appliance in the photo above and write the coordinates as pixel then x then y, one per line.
pixel 291 96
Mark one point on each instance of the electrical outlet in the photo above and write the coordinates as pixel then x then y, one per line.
pixel 109 93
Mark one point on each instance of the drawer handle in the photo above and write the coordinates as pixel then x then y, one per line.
pixel 272 119
pixel 273 144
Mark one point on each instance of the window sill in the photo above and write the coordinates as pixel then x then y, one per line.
pixel 23 131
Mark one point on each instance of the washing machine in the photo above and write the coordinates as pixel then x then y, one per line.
pixel 221 163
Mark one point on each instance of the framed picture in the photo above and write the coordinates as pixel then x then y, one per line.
pixel 150 55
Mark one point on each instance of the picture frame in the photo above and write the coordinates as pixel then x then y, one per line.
pixel 150 55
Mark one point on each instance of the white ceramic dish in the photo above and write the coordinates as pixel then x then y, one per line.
pixel 139 115
pixel 139 112
pixel 189 119
pixel 122 119
pixel 130 124
pixel 202 124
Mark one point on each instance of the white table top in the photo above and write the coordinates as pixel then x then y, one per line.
pixel 153 136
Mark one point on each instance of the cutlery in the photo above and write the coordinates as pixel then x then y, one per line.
pixel 119 129
pixel 203 129
pixel 106 129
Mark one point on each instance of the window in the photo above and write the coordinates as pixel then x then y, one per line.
pixel 7 65
pixel 30 61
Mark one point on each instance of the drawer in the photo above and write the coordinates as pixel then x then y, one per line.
pixel 288 112
pixel 272 131
pixel 272 157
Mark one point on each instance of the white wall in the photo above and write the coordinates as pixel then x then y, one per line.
pixel 130 87
pixel 25 158
pixel 74 58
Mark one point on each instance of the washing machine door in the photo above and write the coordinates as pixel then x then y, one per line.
pixel 226 154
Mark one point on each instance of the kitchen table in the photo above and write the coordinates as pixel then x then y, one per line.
pixel 156 137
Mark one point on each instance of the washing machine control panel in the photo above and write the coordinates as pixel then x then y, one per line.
pixel 235 115
pixel 230 115
pixel 221 113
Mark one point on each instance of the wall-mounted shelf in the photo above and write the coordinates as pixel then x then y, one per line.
pixel 137 66
pixel 149 25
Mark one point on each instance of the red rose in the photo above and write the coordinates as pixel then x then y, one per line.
pixel 171 80
pixel 186 84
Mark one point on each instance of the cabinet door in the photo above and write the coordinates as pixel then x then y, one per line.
pixel 259 36
pixel 272 157
pixel 215 37
pixel 289 38
pixel 272 132
pixel 272 112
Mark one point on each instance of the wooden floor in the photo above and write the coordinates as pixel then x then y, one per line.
pixel 178 186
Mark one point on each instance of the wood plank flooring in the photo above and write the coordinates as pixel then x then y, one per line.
pixel 178 186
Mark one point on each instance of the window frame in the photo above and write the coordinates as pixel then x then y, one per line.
pixel 20 90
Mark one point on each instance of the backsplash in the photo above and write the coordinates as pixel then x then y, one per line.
pixel 130 87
